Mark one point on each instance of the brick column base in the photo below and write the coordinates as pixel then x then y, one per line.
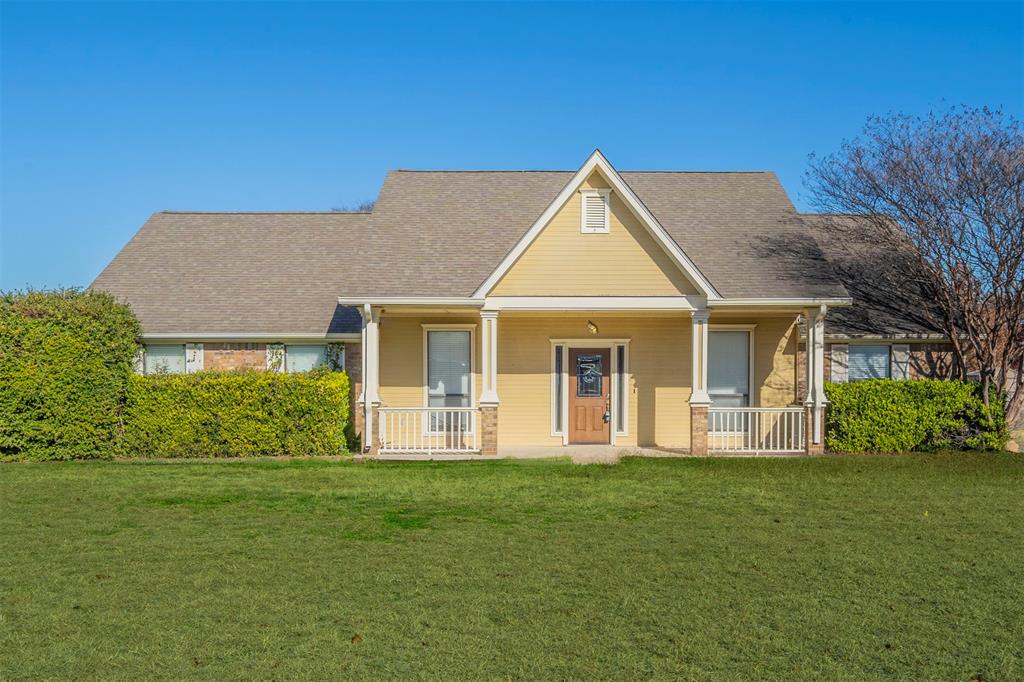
pixel 489 431
pixel 375 433
pixel 358 417
pixel 810 447
pixel 698 429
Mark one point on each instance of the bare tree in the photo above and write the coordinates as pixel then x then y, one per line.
pixel 945 194
pixel 364 206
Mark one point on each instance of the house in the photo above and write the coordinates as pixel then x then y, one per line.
pixel 487 312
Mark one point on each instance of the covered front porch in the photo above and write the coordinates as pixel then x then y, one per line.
pixel 488 377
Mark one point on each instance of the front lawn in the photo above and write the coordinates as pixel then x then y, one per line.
pixel 829 568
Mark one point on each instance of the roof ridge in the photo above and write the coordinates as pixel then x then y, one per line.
pixel 536 170
pixel 265 212
pixel 830 214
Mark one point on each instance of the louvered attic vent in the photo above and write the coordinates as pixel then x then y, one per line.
pixel 595 211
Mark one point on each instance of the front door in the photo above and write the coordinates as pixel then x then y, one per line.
pixel 589 395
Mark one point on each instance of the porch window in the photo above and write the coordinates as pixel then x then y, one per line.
pixel 868 362
pixel 164 359
pixel 729 368
pixel 556 391
pixel 620 389
pixel 449 369
pixel 304 358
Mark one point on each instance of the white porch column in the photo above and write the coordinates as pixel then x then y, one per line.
pixel 371 371
pixel 699 363
pixel 816 370
pixel 699 398
pixel 489 357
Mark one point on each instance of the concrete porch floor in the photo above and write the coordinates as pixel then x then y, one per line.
pixel 580 454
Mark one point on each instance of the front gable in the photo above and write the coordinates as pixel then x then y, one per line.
pixel 563 260
pixel 563 254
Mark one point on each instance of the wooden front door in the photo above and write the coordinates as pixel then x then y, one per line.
pixel 589 395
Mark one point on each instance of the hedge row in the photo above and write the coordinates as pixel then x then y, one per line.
pixel 67 391
pixel 65 360
pixel 217 414
pixel 901 416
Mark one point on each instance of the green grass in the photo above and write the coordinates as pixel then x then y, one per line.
pixel 831 568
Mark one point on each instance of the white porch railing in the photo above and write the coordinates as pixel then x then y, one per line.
pixel 756 429
pixel 429 429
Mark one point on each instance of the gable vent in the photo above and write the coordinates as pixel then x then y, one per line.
pixel 594 217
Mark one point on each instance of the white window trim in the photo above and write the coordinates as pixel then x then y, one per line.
pixel 755 391
pixel 604 194
pixel 287 370
pixel 162 343
pixel 471 328
pixel 879 343
pixel 567 344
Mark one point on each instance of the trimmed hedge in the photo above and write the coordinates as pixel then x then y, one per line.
pixel 65 360
pixel 900 416
pixel 227 414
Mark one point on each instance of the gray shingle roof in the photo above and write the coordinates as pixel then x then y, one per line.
pixel 442 233
pixel 438 233
pixel 886 302
pixel 227 273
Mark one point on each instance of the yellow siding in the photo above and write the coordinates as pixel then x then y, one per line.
pixel 659 370
pixel 564 262
pixel 658 390
pixel 401 357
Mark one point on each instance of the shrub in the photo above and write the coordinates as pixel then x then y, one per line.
pixel 236 414
pixel 65 359
pixel 899 416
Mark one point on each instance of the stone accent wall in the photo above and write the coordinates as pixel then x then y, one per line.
pixel 800 386
pixel 234 356
pixel 698 430
pixel 489 431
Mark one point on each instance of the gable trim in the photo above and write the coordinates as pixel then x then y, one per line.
pixel 597 161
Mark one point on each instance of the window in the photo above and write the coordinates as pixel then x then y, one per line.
pixel 868 362
pixel 304 358
pixel 729 368
pixel 449 369
pixel 164 359
pixel 594 211
pixel 556 391
pixel 589 376
pixel 620 389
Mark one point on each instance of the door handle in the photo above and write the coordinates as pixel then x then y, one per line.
pixel 607 417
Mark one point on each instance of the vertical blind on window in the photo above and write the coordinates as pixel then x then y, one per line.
pixel 729 368
pixel 448 369
pixel 304 358
pixel 165 358
pixel 868 362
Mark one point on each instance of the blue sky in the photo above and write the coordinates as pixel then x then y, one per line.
pixel 113 111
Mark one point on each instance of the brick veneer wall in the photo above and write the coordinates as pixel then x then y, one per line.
pixel 931 360
pixel 253 356
pixel 234 356
pixel 354 367
pixel 927 361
